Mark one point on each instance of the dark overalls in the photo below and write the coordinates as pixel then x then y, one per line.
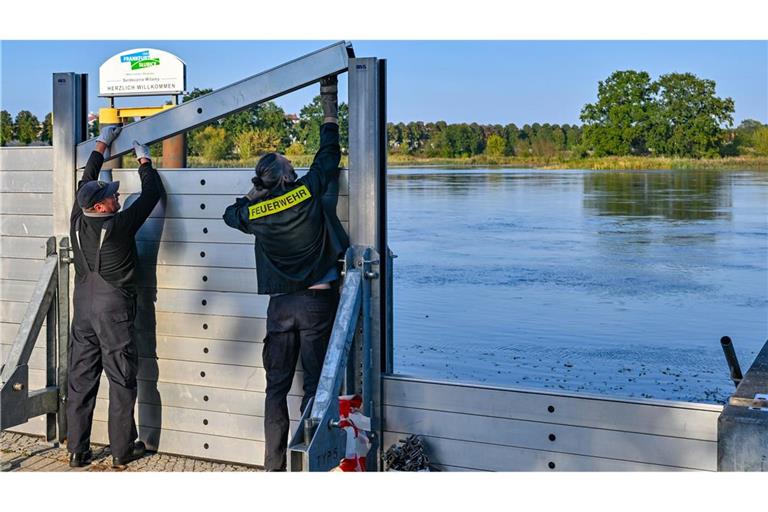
pixel 102 338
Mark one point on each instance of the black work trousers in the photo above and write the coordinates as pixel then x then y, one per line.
pixel 299 324
pixel 102 338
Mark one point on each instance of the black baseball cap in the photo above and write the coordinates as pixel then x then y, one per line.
pixel 94 191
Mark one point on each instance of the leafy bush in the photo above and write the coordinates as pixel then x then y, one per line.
pixel 213 143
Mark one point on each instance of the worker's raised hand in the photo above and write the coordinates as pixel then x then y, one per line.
pixel 329 98
pixel 141 150
pixel 108 134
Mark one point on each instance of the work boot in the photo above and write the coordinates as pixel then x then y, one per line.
pixel 80 459
pixel 135 451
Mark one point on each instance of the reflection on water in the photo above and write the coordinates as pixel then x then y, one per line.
pixel 601 282
pixel 683 195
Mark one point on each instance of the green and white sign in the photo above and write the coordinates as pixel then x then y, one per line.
pixel 142 72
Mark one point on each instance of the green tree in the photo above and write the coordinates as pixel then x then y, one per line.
pixel 307 130
pixel 6 128
pixel 495 146
pixel 213 143
pixel 46 135
pixel 690 117
pixel 619 122
pixel 27 127
pixel 256 142
pixel 295 149
pixel 760 141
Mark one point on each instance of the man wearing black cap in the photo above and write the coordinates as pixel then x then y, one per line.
pixel 105 304
pixel 298 241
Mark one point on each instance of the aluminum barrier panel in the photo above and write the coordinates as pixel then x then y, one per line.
pixel 468 427
pixel 26 222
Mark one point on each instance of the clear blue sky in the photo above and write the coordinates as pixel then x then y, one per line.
pixel 455 81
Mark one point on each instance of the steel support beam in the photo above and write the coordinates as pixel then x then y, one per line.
pixel 69 128
pixel 233 98
pixel 367 223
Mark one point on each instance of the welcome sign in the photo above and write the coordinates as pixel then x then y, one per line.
pixel 142 72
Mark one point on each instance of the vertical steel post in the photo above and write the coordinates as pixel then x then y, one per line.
pixel 367 221
pixel 70 107
pixel 51 335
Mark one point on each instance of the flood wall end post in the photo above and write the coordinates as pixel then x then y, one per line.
pixel 742 428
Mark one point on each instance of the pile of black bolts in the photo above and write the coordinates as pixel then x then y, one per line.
pixel 407 455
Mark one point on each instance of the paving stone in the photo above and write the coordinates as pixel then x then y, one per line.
pixel 31 453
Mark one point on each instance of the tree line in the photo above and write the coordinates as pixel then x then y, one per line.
pixel 677 115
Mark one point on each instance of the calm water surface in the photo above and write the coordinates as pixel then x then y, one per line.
pixel 593 281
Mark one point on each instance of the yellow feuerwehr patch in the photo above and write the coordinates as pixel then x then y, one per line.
pixel 280 203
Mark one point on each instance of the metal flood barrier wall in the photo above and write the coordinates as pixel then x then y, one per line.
pixel 200 329
pixel 479 428
pixel 200 323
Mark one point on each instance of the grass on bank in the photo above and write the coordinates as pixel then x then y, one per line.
pixel 621 163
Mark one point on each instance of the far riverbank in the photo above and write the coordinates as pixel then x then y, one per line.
pixel 623 163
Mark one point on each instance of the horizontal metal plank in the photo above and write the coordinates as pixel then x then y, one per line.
pixel 234 182
pixel 223 376
pixel 593 442
pixel 22 247
pixel 690 421
pixel 241 353
pixel 212 303
pixel 26 225
pixel 192 420
pixel 26 181
pixel 186 396
pixel 180 206
pixel 489 457
pixel 191 230
pixel 204 326
pixel 248 378
pixel 17 291
pixel 189 444
pixel 198 278
pixel 172 324
pixel 197 254
pixel 29 158
pixel 20 269
pixel 36 358
pixel 12 203
pixel 12 312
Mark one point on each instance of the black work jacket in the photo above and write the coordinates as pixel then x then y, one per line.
pixel 295 243
pixel 118 251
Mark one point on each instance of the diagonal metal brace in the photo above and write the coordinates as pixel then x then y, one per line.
pixel 316 445
pixel 17 404
pixel 233 98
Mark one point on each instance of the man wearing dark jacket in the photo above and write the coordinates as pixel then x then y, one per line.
pixel 297 246
pixel 104 245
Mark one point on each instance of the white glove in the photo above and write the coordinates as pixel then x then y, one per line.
pixel 108 134
pixel 141 150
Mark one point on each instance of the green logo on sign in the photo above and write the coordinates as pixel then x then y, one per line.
pixel 146 63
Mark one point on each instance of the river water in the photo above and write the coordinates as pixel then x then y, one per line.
pixel 617 283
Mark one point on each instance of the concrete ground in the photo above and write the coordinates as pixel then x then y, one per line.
pixel 21 452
